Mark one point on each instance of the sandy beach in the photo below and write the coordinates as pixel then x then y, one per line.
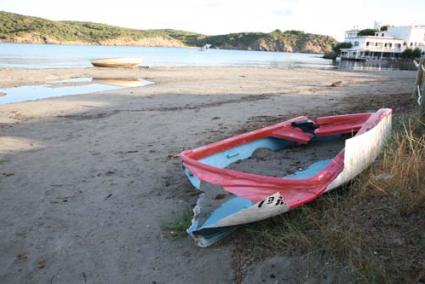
pixel 87 181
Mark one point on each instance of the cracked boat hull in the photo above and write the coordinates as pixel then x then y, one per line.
pixel 231 198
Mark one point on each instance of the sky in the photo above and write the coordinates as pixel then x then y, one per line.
pixel 329 17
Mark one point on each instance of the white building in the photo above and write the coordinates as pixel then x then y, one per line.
pixel 384 44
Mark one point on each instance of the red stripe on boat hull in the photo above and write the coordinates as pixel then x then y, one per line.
pixel 295 192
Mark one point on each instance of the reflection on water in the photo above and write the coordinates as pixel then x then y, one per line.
pixel 73 82
pixel 75 86
pixel 375 65
pixel 122 82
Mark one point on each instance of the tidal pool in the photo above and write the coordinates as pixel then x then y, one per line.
pixel 74 86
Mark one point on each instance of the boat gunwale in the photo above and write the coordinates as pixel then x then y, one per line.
pixel 236 178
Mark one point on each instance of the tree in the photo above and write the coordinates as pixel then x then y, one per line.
pixel 417 53
pixel 367 32
pixel 294 32
pixel 384 28
pixel 409 53
pixel 337 47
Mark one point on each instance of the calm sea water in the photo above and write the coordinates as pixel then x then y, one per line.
pixel 68 56
pixel 64 56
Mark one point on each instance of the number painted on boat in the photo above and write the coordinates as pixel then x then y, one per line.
pixel 272 200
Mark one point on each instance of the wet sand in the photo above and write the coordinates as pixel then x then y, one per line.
pixel 86 181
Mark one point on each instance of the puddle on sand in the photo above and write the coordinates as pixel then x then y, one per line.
pixel 75 86
pixel 122 82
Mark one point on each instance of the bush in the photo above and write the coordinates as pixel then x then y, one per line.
pixel 417 53
pixel 337 47
pixel 409 53
pixel 367 32
pixel 294 32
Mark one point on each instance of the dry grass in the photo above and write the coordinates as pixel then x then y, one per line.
pixel 375 226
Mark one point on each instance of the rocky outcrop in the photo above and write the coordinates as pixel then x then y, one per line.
pixel 289 41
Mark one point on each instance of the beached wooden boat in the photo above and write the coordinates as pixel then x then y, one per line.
pixel 116 62
pixel 231 198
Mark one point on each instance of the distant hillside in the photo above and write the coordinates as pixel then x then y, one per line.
pixel 289 41
pixel 26 29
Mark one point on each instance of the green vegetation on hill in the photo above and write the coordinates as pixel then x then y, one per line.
pixel 26 29
pixel 290 41
pixel 19 28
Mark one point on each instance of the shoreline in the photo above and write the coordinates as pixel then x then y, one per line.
pixel 17 76
pixel 70 43
pixel 156 46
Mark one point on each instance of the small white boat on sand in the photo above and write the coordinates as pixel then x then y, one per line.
pixel 116 62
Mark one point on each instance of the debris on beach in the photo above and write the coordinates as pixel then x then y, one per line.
pixel 336 84
pixel 308 158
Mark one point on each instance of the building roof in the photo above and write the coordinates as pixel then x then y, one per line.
pixel 381 37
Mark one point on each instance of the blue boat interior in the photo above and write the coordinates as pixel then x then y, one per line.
pixel 206 231
pixel 245 151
